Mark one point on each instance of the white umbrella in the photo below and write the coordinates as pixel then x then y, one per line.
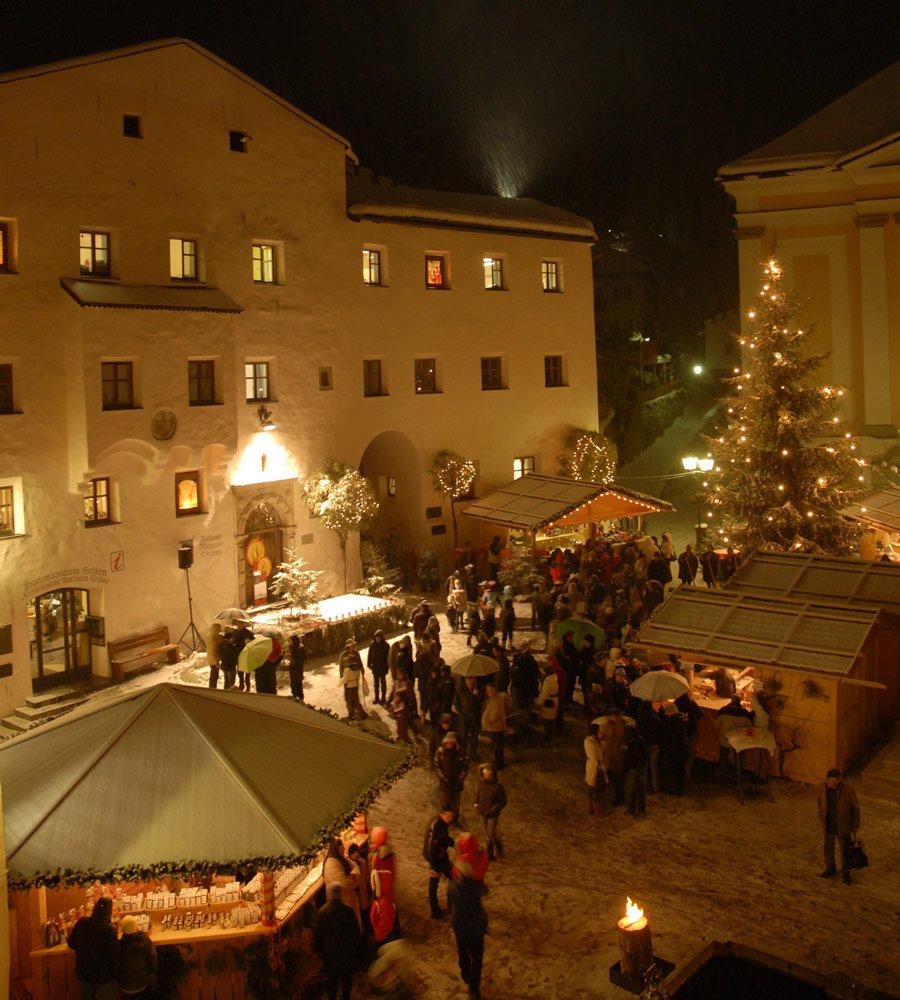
pixel 475 665
pixel 231 615
pixel 659 685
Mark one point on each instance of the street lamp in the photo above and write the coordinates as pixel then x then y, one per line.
pixel 699 465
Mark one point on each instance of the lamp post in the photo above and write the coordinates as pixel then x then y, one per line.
pixel 699 465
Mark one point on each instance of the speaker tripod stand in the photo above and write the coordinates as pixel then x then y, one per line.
pixel 190 637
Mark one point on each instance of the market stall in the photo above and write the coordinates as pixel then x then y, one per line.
pixel 201 812
pixel 879 515
pixel 812 667
pixel 558 511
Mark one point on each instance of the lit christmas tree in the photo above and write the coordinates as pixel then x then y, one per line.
pixel 784 467
pixel 452 476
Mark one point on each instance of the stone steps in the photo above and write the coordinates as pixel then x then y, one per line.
pixel 42 707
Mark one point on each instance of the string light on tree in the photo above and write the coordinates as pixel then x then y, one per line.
pixel 776 484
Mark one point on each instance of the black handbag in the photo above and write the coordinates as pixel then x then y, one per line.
pixel 856 855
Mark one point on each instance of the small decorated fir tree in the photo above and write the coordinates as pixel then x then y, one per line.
pixel 784 468
pixel 298 584
pixel 380 579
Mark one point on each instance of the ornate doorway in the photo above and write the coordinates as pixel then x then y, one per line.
pixel 263 551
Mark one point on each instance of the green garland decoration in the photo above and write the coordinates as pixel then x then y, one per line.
pixel 194 869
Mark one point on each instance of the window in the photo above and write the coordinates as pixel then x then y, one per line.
pixel 522 466
pixel 188 494
pixel 7 511
pixel 6 389
pixel 550 276
pixel 238 140
pixel 426 375
pixel 97 502
pixel 118 385
pixel 372 383
pixel 264 269
pixel 435 271
pixel 256 381
pixel 371 267
pixel 183 260
pixel 94 254
pixel 131 127
pixel 5 248
pixel 493 273
pixel 326 377
pixel 201 383
pixel 553 371
pixel 491 373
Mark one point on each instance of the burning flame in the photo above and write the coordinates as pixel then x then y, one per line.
pixel 633 913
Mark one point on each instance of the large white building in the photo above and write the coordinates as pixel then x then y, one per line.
pixel 179 247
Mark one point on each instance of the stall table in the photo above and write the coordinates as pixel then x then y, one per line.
pixel 752 738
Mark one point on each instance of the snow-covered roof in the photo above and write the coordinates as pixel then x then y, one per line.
pixel 861 121
pixel 114 295
pixel 881 509
pixel 379 198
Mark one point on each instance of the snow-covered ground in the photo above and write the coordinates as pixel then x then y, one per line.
pixel 704 868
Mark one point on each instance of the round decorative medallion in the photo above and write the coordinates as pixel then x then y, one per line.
pixel 163 425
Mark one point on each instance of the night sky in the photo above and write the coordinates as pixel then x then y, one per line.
pixel 621 111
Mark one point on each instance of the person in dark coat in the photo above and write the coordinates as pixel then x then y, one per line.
pixel 649 726
pixel 435 850
pixel 838 809
pixel 709 566
pixel 96 948
pixel 469 922
pixel 490 801
pixel 451 766
pixel 570 658
pixel 688 564
pixel 673 750
pixel 228 658
pixel 137 961
pixel 377 662
pixel 658 570
pixel 338 940
pixel 634 765
pixel 241 637
pixel 296 664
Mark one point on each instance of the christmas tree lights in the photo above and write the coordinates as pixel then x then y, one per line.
pixel 781 478
pixel 452 476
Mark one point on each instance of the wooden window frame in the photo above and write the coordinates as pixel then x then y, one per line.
pixel 95 268
pixel 194 476
pixel 116 370
pixel 7 508
pixel 526 466
pixel 550 276
pixel 373 378
pixel 267 270
pixel 441 260
pixel 491 373
pixel 554 371
pixel 493 274
pixel 371 266
pixel 5 249
pixel 7 397
pixel 425 383
pixel 252 379
pixel 188 252
pixel 201 377
pixel 97 490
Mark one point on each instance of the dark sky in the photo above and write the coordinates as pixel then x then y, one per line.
pixel 618 109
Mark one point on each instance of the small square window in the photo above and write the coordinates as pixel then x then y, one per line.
pixel 97 502
pixel 94 254
pixel 183 260
pixel 550 276
pixel 6 264
pixel 391 486
pixel 201 383
pixel 371 260
pixel 425 370
pixel 257 385
pixel 491 373
pixel 117 378
pixel 493 273
pixel 326 377
pixel 188 494
pixel 238 141
pixel 7 510
pixel 553 371
pixel 131 127
pixel 6 389
pixel 522 466
pixel 372 380
pixel 435 271
pixel 265 271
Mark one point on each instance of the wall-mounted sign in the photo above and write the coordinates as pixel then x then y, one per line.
pixel 117 561
pixel 58 579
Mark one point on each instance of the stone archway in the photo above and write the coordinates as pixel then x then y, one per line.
pixel 392 465
pixel 264 528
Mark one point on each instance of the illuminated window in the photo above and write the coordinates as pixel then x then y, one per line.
pixel 183 260
pixel 522 466
pixel 550 276
pixel 493 273
pixel 6 389
pixel 435 271
pixel 5 259
pixel 257 385
pixel 371 263
pixel 188 493
pixel 96 502
pixel 491 373
pixel 117 379
pixel 131 127
pixel 553 371
pixel 201 383
pixel 7 511
pixel 372 381
pixel 94 254
pixel 264 269
pixel 425 375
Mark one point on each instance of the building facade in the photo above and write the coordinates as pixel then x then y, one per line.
pixel 826 198
pixel 185 260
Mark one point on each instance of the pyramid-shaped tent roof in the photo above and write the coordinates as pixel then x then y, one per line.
pixel 173 778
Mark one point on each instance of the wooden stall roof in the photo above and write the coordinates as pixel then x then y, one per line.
pixel 822 579
pixel 173 773
pixel 881 509
pixel 534 502
pixel 730 628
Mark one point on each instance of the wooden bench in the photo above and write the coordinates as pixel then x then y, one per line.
pixel 125 655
